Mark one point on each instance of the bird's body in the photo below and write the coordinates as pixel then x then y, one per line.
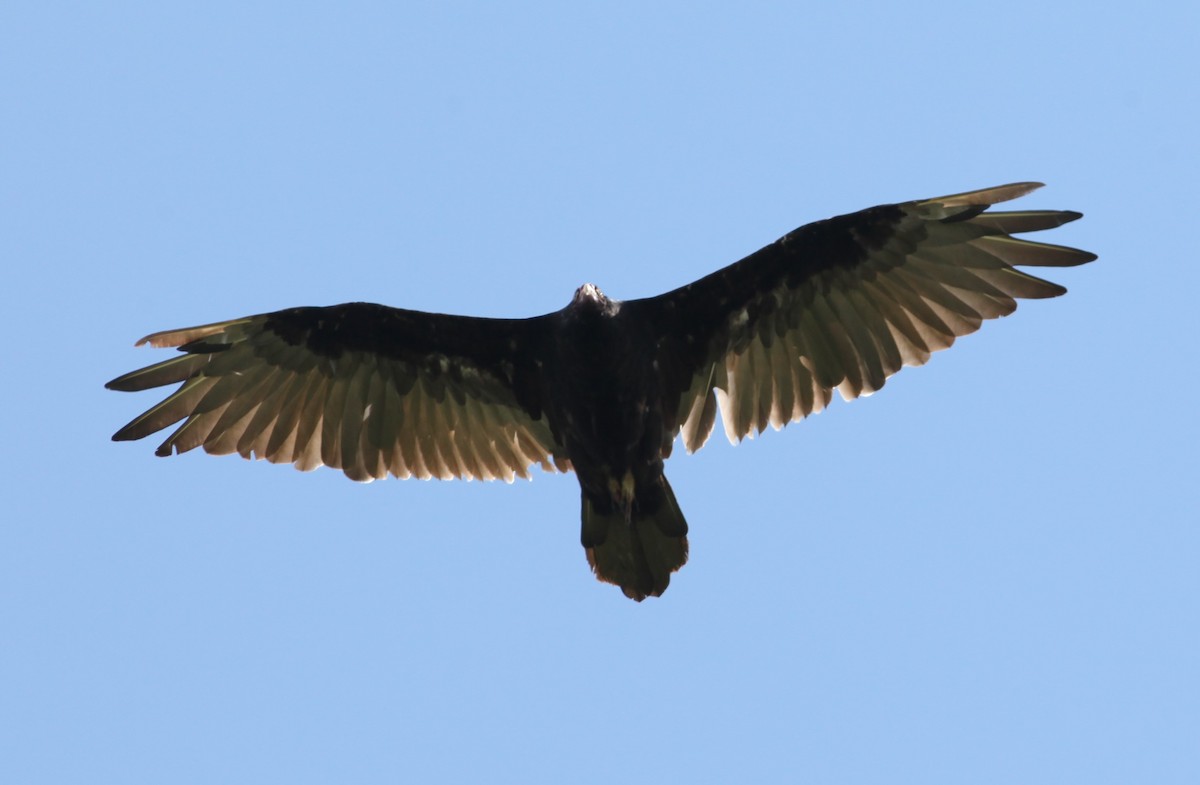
pixel 603 387
pixel 606 410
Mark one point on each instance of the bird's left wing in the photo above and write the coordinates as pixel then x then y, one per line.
pixel 364 388
pixel 843 304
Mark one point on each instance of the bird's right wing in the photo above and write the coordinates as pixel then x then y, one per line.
pixel 844 304
pixel 364 388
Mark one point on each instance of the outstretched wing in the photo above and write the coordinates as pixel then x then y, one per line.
pixel 844 304
pixel 363 388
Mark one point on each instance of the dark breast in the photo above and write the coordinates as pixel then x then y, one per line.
pixel 603 397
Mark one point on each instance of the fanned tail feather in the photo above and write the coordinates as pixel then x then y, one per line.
pixel 640 554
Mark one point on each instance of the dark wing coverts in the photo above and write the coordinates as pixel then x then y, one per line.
pixel 844 304
pixel 363 388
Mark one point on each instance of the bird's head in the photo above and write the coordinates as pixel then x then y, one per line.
pixel 589 298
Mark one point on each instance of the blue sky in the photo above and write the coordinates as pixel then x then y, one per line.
pixel 986 573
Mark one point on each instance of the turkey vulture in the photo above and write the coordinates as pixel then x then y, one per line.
pixel 603 387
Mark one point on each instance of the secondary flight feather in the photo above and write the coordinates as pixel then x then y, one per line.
pixel 604 387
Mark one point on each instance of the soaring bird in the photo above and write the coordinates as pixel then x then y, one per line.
pixel 603 387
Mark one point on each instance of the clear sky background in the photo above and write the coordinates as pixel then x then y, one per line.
pixel 987 573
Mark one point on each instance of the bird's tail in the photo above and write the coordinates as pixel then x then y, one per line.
pixel 639 553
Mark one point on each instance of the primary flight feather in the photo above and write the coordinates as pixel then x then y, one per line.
pixel 603 387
